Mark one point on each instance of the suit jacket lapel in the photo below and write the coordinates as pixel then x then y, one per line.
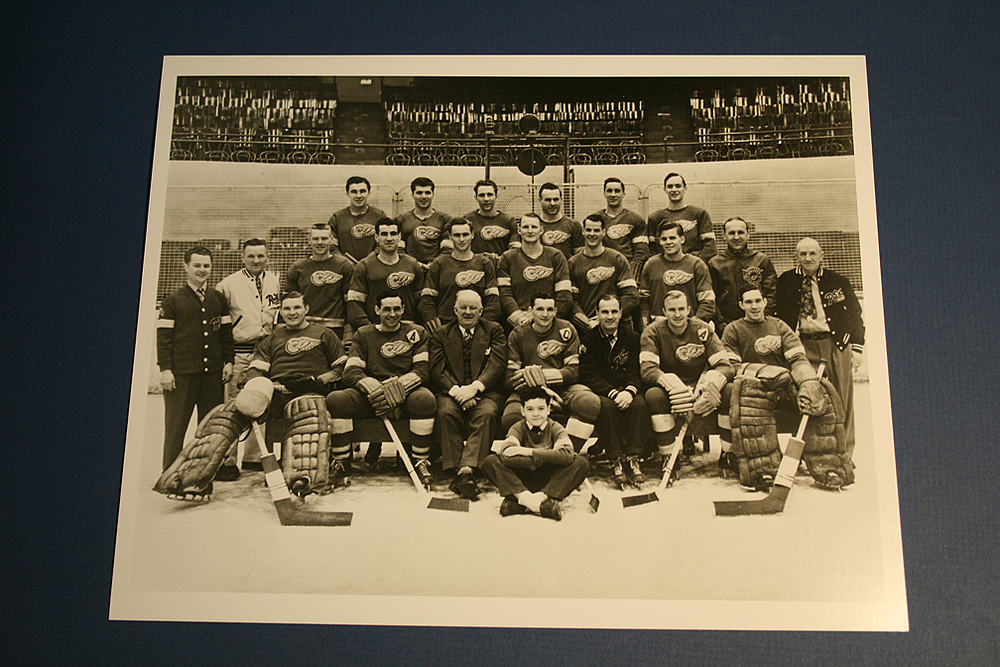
pixel 453 348
pixel 480 341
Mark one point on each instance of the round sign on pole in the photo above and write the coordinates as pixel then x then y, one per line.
pixel 531 162
pixel 528 123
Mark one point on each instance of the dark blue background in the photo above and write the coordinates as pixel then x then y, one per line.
pixel 81 86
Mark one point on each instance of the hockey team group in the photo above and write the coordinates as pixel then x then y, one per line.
pixel 515 350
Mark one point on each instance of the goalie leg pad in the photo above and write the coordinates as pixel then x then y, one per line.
pixel 826 442
pixel 751 418
pixel 194 468
pixel 305 453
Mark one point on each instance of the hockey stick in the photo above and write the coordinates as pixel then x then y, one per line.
pixel 668 471
pixel 450 504
pixel 774 503
pixel 289 514
pixel 594 501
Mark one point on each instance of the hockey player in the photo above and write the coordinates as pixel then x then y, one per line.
pixel 699 237
pixel 558 231
pixel 423 229
pixel 684 365
pixel 597 271
pixel 354 226
pixel 386 269
pixel 194 351
pixel 821 306
pixel 535 466
pixel 322 279
pixel 626 230
pixel 493 232
pixel 545 352
pixel 458 270
pixel 300 357
pixel 468 358
pixel 735 267
pixel 763 347
pixel 386 369
pixel 609 366
pixel 252 294
pixel 675 270
pixel 530 269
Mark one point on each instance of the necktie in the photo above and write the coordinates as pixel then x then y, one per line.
pixel 201 293
pixel 536 430
pixel 260 287
pixel 466 334
pixel 808 306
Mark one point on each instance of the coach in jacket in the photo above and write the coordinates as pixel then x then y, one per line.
pixel 820 305
pixel 468 358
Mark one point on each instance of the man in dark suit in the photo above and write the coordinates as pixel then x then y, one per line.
pixel 468 358
pixel 609 365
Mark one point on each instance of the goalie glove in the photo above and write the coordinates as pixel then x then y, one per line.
pixel 681 396
pixel 534 376
pixel 811 398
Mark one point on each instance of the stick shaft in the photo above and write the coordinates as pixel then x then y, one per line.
pixel 678 443
pixel 403 455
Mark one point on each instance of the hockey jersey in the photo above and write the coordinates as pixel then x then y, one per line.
pixel 768 342
pixel 372 276
pixel 594 277
pixel 447 276
pixel 626 233
pixel 557 348
pixel 383 354
pixel 688 355
pixel 519 277
pixel 496 235
pixel 699 237
pixel 311 350
pixel 423 238
pixel 565 235
pixel 688 274
pixel 353 234
pixel 324 285
pixel 730 272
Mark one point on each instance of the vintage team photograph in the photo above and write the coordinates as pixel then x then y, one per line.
pixel 512 342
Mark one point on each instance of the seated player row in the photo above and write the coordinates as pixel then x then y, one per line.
pixel 394 365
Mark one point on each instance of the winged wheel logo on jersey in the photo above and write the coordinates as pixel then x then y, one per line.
pixel 753 275
pixel 676 277
pixel 320 278
pixel 555 237
pixel 599 274
pixel 686 353
pixel 687 225
pixel 533 273
pixel 490 232
pixel 767 344
pixel 394 348
pixel 300 344
pixel 426 233
pixel 470 277
pixel 362 230
pixel 547 348
pixel 619 231
pixel 399 279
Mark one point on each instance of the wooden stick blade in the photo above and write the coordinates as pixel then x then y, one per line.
pixel 449 504
pixel 641 499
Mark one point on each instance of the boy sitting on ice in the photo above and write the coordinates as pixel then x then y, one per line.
pixel 535 466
